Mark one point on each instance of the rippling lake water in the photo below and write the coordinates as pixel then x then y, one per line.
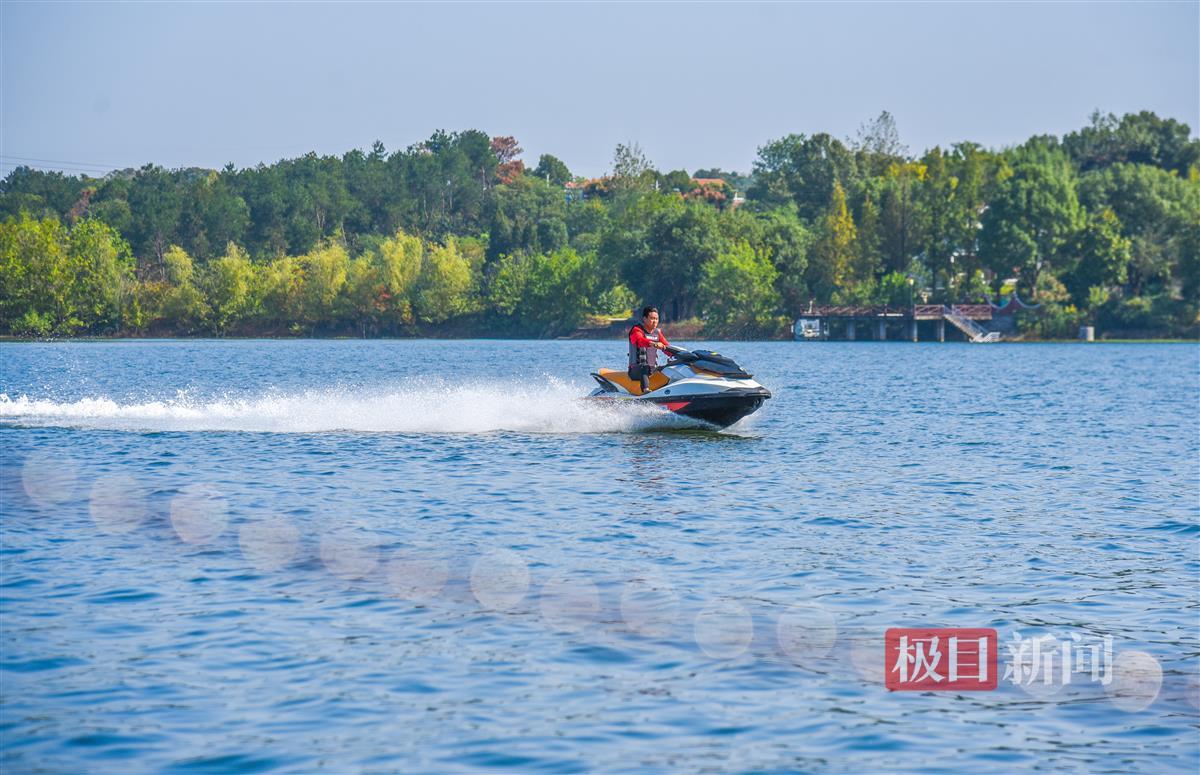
pixel 411 556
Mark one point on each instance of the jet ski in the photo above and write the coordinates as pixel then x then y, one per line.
pixel 702 385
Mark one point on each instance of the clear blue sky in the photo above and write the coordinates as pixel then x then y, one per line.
pixel 696 85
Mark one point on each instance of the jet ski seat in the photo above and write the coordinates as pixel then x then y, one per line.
pixel 657 380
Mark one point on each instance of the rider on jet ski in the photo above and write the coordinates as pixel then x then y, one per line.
pixel 645 340
pixel 699 385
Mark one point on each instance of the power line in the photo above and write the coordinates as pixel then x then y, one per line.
pixel 54 167
pixel 61 161
pixel 11 166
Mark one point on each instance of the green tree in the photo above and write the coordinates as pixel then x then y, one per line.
pixel 543 294
pixel 868 261
pixel 877 146
pixel 660 244
pixel 40 193
pixel 1034 215
pixel 180 303
pixel 675 181
pixel 115 212
pixel 400 259
pixel 212 215
pixel 59 281
pixel 615 300
pixel 1103 255
pixel 632 172
pixel 737 293
pixel 230 289
pixel 102 265
pixel 1153 207
pixel 785 241
pixel 587 223
pixel 366 176
pixel 803 170
pixel 36 278
pixel 893 290
pixel 443 286
pixel 1138 138
pixel 283 284
pixel 1189 265
pixel 324 271
pixel 179 269
pixel 552 170
pixel 833 254
pixel 527 215
pixel 156 205
pixel 902 220
pixel 942 209
pixel 316 201
pixel 954 193
pixel 506 288
pixel 446 179
pixel 264 190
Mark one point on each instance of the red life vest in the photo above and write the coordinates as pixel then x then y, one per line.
pixel 644 355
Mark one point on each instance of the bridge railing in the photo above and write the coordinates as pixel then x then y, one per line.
pixel 855 311
pixel 920 311
pixel 973 311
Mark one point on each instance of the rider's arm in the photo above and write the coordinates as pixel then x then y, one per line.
pixel 638 337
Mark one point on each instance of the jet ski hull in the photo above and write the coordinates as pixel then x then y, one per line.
pixel 719 409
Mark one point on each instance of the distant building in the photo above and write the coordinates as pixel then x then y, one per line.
pixel 1004 314
pixel 574 191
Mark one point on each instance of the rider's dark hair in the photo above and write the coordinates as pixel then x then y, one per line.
pixel 647 310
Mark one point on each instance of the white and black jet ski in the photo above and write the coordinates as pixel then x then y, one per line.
pixel 702 385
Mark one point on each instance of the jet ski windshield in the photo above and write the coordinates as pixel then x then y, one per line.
pixel 710 361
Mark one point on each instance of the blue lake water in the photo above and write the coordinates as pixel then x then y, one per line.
pixel 421 556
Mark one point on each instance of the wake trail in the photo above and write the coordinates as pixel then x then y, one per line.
pixel 555 407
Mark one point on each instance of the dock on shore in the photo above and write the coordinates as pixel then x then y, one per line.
pixel 875 321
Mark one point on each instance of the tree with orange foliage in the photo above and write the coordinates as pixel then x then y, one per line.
pixel 507 151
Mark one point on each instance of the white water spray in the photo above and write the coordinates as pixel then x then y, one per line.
pixel 554 407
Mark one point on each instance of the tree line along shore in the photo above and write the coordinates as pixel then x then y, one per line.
pixel 458 235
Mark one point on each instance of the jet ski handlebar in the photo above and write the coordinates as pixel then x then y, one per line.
pixel 707 360
pixel 679 354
